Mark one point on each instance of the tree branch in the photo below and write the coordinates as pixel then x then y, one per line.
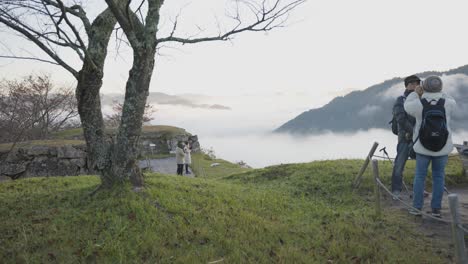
pixel 28 58
pixel 266 20
pixel 25 32
pixel 118 11
pixel 67 42
pixel 75 10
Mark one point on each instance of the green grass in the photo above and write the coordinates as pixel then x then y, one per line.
pixel 296 213
pixel 163 129
pixel 454 172
pixel 158 156
pixel 67 134
pixel 78 132
pixel 201 164
pixel 49 143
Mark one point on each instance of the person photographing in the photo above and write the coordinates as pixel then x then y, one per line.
pixel 432 139
pixel 404 129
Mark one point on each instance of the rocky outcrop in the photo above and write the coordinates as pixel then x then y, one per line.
pixel 160 144
pixel 34 161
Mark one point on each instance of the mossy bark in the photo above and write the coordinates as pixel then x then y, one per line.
pixel 125 152
pixel 115 164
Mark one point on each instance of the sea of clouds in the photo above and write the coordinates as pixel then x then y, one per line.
pixel 244 132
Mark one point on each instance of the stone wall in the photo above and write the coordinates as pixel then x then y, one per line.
pixel 35 161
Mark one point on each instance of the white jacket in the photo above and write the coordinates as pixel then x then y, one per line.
pixel 188 156
pixel 414 107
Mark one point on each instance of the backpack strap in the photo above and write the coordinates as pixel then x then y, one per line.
pixel 424 102
pixel 441 102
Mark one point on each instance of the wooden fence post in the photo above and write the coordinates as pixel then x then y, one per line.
pixel 375 170
pixel 457 234
pixel 357 181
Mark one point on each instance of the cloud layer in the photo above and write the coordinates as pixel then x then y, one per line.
pixel 166 99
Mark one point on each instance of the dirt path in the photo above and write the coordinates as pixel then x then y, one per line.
pixel 439 232
pixel 165 166
pixel 462 193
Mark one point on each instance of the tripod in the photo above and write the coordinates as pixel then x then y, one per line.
pixel 384 150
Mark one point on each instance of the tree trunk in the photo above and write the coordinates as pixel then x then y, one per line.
pixel 115 160
pixel 89 108
pixel 89 102
pixel 124 155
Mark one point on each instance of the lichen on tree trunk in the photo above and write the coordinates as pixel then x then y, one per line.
pixel 89 102
pixel 125 152
pixel 114 159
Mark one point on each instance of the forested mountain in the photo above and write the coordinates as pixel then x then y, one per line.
pixel 372 107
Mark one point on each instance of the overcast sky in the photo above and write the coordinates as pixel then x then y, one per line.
pixel 330 48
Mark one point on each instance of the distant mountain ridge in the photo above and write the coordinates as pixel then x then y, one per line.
pixel 372 107
pixel 187 100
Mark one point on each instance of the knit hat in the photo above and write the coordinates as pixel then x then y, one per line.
pixel 432 84
pixel 410 79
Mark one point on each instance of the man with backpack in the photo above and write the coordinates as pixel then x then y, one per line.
pixel 432 139
pixel 403 125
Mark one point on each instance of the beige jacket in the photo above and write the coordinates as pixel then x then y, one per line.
pixel 180 155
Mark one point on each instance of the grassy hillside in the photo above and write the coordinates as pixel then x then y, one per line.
pixel 78 132
pixel 75 137
pixel 201 164
pixel 49 143
pixel 297 213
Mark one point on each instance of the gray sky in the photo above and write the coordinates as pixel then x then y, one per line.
pixel 331 47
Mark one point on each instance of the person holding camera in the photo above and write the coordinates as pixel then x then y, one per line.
pixel 180 157
pixel 188 157
pixel 405 125
pixel 432 139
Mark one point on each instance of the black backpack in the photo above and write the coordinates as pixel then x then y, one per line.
pixel 433 133
pixel 393 122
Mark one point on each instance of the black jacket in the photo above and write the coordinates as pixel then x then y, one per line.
pixel 405 122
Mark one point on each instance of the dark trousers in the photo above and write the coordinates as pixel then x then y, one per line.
pixel 186 168
pixel 180 169
pixel 403 148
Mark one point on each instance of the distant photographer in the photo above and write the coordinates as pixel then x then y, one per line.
pixel 432 139
pixel 403 126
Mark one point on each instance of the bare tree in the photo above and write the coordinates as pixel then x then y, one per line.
pixel 53 26
pixel 116 160
pixel 114 119
pixel 32 108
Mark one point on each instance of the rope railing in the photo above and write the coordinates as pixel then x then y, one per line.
pixel 462 228
pixel 407 205
pixel 383 157
pixel 458 230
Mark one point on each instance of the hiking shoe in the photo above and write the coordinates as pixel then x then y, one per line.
pixel 414 212
pixel 436 212
pixel 396 195
pixel 426 194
